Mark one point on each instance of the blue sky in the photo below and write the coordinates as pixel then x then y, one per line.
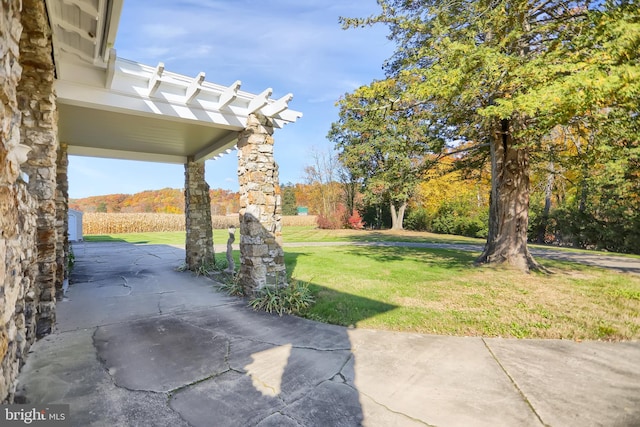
pixel 292 46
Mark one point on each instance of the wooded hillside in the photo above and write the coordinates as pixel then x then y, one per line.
pixel 166 200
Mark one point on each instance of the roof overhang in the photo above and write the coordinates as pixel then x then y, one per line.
pixel 116 108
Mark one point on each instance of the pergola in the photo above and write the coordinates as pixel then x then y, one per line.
pixel 116 108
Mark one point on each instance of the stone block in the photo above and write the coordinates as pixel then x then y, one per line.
pixel 265 148
pixel 256 250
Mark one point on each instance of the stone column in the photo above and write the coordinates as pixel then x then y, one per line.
pixel 62 218
pixel 199 243
pixel 37 101
pixel 18 301
pixel 261 254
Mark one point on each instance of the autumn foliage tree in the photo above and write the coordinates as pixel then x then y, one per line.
pixel 506 73
pixel 384 139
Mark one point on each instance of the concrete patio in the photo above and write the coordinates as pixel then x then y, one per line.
pixel 140 344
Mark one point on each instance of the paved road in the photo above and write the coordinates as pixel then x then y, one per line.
pixel 140 344
pixel 619 263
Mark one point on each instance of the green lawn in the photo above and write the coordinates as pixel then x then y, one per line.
pixel 156 238
pixel 439 291
pixel 294 235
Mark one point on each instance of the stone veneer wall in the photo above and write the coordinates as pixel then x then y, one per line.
pixel 261 254
pixel 18 299
pixel 199 242
pixel 37 102
pixel 62 218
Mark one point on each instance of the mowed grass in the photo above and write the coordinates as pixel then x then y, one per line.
pixel 293 235
pixel 439 291
pixel 313 234
pixel 176 238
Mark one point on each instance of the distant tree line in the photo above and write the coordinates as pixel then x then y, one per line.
pixel 166 200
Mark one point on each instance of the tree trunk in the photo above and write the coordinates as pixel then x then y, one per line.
pixel 509 204
pixel 397 216
pixel 548 193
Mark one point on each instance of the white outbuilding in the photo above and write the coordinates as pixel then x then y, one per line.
pixel 75 225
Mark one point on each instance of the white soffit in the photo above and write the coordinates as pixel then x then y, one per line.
pixel 112 107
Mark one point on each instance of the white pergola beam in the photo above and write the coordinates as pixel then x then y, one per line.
pixel 79 150
pixel 217 148
pixel 278 106
pixel 289 116
pixel 76 52
pixel 156 79
pixel 194 88
pixel 71 93
pixel 79 31
pixel 229 95
pixel 84 6
pixel 259 101
pixel 111 69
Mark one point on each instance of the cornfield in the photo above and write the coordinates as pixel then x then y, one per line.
pixel 116 223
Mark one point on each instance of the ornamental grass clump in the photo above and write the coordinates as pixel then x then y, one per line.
pixel 232 287
pixel 294 298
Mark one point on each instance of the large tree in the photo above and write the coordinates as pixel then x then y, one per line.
pixel 384 139
pixel 506 72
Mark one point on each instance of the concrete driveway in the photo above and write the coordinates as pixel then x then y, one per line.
pixel 140 344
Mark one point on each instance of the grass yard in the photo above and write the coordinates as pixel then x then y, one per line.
pixel 157 238
pixel 439 291
pixel 313 234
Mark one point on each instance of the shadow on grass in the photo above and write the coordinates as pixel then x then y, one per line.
pixel 333 306
pixel 390 236
pixel 454 259
pixel 107 238
pixel 369 266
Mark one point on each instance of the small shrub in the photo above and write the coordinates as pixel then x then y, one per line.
pixel 418 220
pixel 71 260
pixel 294 298
pixel 329 222
pixel 355 221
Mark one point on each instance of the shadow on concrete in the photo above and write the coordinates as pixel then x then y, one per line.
pixel 139 343
pixel 109 238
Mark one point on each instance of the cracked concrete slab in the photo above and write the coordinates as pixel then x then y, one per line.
pixel 276 330
pixel 285 371
pixel 210 360
pixel 570 383
pixel 160 354
pixel 444 381
pixel 335 403
pixel 127 289
pixel 230 400
pixel 64 368
pixel 278 420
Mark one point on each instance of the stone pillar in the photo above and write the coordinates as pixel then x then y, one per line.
pixel 18 301
pixel 199 243
pixel 37 102
pixel 62 218
pixel 261 254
